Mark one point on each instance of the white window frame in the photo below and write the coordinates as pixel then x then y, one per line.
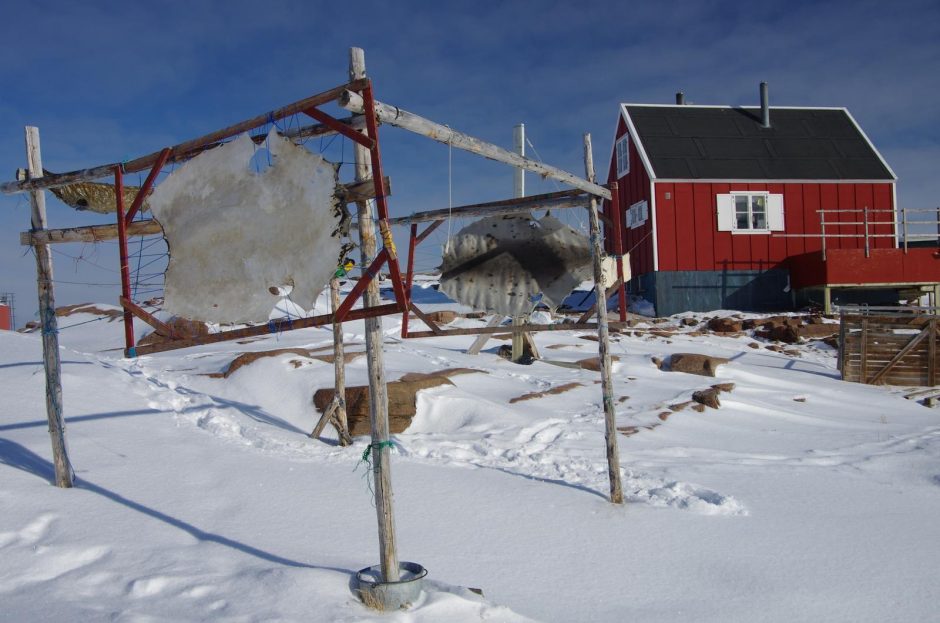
pixel 622 151
pixel 637 214
pixel 773 212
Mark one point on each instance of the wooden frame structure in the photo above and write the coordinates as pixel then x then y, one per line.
pixel 890 345
pixel 155 162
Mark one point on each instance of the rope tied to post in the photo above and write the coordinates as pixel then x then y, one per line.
pixel 378 446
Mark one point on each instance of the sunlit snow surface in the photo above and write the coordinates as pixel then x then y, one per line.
pixel 802 498
pixel 241 219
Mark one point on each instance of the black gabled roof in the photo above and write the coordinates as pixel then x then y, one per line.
pixel 710 142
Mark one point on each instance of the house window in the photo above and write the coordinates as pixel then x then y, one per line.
pixel 637 214
pixel 750 212
pixel 623 155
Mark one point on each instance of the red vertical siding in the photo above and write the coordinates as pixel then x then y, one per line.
pixel 667 235
pixel 633 187
pixel 5 323
pixel 706 225
pixel 812 200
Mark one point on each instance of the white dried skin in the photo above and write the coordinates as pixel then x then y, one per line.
pixel 502 263
pixel 238 237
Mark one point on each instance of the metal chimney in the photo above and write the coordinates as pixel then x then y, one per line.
pixel 764 106
pixel 680 98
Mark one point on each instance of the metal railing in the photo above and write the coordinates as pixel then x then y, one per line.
pixel 867 223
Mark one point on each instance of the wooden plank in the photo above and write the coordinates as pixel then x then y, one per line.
pixel 161 328
pixel 483 338
pixel 549 201
pixel 603 340
pixel 180 151
pixel 350 193
pixel 275 326
pixel 901 354
pixel 932 353
pixel 609 292
pixel 93 233
pixel 426 319
pixel 64 474
pixel 565 326
pixel 392 115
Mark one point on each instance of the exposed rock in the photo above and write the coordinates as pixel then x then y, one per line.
pixel 402 397
pixel 753 345
pixel 725 325
pixel 657 362
pixel 182 327
pixel 554 390
pixel 818 330
pixel 690 363
pixel 723 387
pixel 664 415
pixel 699 408
pixel 88 308
pixel 628 430
pixel 679 406
pixel 247 358
pixel 707 397
pixel 594 363
pixel 443 316
pixel 688 322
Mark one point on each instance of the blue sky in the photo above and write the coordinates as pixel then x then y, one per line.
pixel 107 81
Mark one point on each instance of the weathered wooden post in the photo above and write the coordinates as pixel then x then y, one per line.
pixel 50 329
pixel 335 412
pixel 378 391
pixel 518 190
pixel 603 342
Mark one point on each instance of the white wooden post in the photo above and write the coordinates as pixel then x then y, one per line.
pixel 603 341
pixel 378 390
pixel 50 329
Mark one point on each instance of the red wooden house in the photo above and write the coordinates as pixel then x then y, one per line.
pixel 757 209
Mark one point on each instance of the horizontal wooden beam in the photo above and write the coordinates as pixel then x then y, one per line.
pixel 274 326
pixel 350 193
pixel 524 328
pixel 549 201
pixel 392 115
pixel 183 150
pixel 92 233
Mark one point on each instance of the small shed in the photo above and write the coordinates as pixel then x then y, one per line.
pixel 748 208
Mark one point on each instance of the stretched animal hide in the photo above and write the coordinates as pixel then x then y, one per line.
pixel 239 237
pixel 502 264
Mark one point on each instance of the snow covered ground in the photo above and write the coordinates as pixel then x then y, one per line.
pixel 802 498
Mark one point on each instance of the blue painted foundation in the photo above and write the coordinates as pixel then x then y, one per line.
pixel 674 292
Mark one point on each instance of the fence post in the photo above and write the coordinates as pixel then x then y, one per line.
pixel 867 245
pixel 904 227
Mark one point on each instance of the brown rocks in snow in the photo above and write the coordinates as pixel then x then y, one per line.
pixel 723 387
pixel 703 365
pixel 594 363
pixel 707 397
pixel 725 325
pixel 688 322
pixel 443 316
pixel 182 327
pixel 402 402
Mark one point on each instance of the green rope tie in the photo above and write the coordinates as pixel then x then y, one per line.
pixel 378 446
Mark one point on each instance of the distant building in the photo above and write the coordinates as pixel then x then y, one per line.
pixel 6 312
pixel 725 207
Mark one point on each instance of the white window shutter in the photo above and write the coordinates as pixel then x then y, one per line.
pixel 725 212
pixel 775 213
